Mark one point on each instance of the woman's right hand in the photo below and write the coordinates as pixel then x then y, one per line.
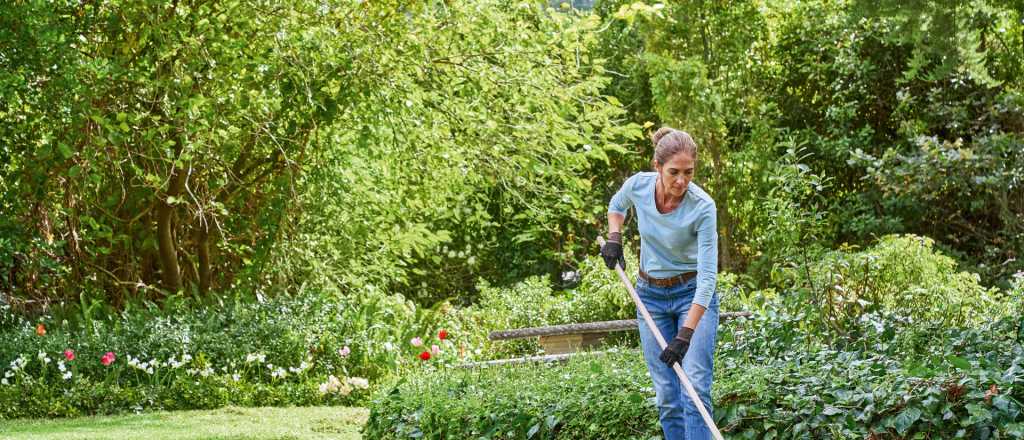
pixel 612 251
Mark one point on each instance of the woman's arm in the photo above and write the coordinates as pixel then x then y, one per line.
pixel 615 221
pixel 693 316
pixel 707 267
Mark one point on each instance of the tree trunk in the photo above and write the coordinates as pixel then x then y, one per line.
pixel 169 270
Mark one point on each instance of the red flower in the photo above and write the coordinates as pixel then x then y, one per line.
pixel 442 335
pixel 69 355
pixel 425 355
pixel 108 358
pixel 40 329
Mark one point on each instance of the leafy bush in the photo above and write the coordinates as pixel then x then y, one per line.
pixel 275 351
pixel 607 397
pixel 903 275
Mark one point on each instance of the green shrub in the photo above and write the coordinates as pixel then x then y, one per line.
pixel 605 397
pixel 903 275
pixel 962 384
pixel 276 351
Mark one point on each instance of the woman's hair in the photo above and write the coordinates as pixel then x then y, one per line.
pixel 668 142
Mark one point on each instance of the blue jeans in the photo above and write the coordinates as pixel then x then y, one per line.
pixel 668 307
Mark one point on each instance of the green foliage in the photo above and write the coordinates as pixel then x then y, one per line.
pixel 972 390
pixel 271 351
pixel 274 352
pixel 969 195
pixel 532 303
pixel 200 148
pixel 772 380
pixel 179 136
pixel 596 398
pixel 476 159
pixel 902 275
pixel 847 91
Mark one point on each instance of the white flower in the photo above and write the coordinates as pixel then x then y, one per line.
pixel 255 357
pixel 4 381
pixel 185 358
pixel 358 382
pixel 279 373
pixel 61 367
pixel 67 376
pixel 389 346
pixel 19 363
pixel 235 377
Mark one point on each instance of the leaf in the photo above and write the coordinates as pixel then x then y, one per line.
pixel 831 410
pixel 906 419
pixel 959 362
pixel 65 150
pixel 533 430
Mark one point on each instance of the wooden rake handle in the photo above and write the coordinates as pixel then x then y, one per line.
pixel 661 343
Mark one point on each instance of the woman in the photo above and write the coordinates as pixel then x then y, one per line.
pixel 678 272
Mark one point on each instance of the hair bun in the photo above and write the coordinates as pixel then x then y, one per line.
pixel 657 135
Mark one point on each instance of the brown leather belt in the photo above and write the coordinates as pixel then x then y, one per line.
pixel 668 282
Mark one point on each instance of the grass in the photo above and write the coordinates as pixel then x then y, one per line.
pixel 231 423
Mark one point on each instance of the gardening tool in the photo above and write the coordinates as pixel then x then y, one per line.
pixel 661 343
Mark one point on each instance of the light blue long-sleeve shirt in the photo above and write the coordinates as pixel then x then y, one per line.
pixel 683 240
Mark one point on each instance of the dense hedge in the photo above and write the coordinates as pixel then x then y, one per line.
pixel 600 397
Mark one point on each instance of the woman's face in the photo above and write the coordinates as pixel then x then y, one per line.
pixel 676 174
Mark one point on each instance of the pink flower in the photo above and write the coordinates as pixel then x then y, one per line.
pixel 69 355
pixel 344 351
pixel 442 335
pixel 425 356
pixel 416 342
pixel 108 358
pixel 435 350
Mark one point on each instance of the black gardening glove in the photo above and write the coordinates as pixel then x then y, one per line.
pixel 677 347
pixel 612 251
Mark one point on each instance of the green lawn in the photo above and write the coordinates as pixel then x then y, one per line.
pixel 303 423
